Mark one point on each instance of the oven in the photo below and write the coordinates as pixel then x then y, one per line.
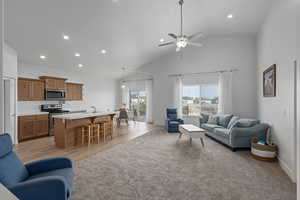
pixel 55 95
pixel 54 110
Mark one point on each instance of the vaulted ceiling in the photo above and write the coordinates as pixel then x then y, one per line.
pixel 128 29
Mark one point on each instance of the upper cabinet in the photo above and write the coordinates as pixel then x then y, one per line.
pixel 34 89
pixel 30 89
pixel 74 91
pixel 38 90
pixel 54 83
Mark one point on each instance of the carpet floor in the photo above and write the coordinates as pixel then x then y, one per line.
pixel 158 166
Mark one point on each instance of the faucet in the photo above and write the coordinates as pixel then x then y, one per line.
pixel 94 108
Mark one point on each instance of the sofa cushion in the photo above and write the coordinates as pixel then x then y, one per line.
pixel 244 123
pixel 172 116
pixel 224 119
pixel 224 132
pixel 210 127
pixel 66 173
pixel 12 170
pixel 232 122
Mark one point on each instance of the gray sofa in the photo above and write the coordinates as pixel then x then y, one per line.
pixel 233 132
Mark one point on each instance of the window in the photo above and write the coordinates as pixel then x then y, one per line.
pixel 137 104
pixel 197 99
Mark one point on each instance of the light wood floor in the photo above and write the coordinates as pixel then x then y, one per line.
pixel 45 147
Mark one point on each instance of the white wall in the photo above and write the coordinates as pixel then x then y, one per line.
pixel 277 45
pixel 1 63
pixel 10 59
pixel 219 53
pixel 98 91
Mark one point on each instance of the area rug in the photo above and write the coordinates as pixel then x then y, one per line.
pixel 158 166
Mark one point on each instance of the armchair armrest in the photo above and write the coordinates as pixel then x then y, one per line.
pixel 48 188
pixel 176 120
pixel 258 130
pixel 46 165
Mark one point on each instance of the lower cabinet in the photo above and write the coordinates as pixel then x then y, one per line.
pixel 33 126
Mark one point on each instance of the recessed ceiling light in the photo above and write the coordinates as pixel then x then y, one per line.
pixel 162 40
pixel 230 16
pixel 43 57
pixel 66 37
pixel 80 65
pixel 103 51
pixel 77 54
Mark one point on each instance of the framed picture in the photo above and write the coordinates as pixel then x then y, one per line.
pixel 269 82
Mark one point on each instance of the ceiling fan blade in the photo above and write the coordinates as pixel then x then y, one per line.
pixel 173 35
pixel 165 44
pixel 199 34
pixel 195 44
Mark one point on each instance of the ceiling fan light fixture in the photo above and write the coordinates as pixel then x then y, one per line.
pixel 182 42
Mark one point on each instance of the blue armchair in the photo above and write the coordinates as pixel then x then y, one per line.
pixel 172 122
pixel 47 179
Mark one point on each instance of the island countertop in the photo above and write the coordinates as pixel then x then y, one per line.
pixel 73 116
pixel 68 127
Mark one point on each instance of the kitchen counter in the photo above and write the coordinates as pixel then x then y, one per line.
pixel 67 127
pixel 32 113
pixel 82 115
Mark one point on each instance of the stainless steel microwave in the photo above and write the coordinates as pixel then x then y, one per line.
pixel 55 95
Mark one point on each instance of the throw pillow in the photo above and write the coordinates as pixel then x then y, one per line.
pixel 224 119
pixel 233 122
pixel 213 119
pixel 204 117
pixel 245 123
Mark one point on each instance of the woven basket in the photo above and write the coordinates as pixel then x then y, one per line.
pixel 263 152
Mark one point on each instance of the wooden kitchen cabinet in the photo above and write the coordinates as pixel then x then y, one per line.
pixel 41 125
pixel 30 89
pixel 34 89
pixel 74 91
pixel 54 83
pixel 38 90
pixel 31 127
pixel 24 89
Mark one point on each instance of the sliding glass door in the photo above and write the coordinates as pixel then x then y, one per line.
pixel 137 104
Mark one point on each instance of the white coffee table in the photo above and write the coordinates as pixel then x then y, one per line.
pixel 192 131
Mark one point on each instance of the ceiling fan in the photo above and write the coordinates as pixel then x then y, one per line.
pixel 182 41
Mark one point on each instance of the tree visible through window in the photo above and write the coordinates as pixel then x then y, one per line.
pixel 137 104
pixel 197 99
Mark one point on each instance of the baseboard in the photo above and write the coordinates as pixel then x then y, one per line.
pixel 287 170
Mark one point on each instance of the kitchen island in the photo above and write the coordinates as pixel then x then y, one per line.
pixel 67 132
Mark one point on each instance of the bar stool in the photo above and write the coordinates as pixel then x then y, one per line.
pixel 86 132
pixel 105 125
pixel 96 132
pixel 101 128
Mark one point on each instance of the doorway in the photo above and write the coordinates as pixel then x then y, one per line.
pixel 10 102
pixel 138 104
